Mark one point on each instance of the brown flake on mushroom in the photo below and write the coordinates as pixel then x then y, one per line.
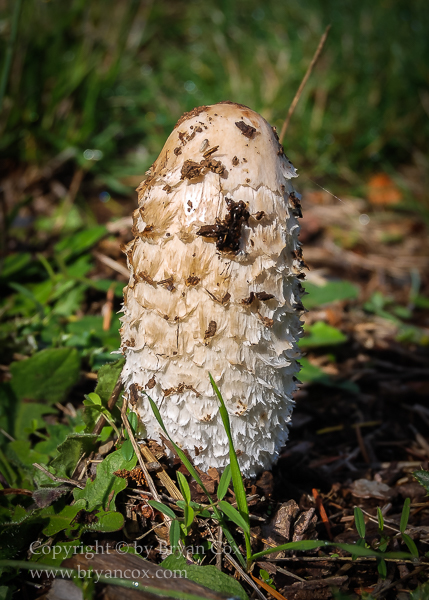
pixel 227 232
pixel 246 130
pixel 191 320
pixel 191 280
pixel 211 330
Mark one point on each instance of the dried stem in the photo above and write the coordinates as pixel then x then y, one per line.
pixel 303 82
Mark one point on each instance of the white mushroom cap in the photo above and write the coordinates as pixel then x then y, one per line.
pixel 214 288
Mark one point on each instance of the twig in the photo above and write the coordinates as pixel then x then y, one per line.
pixel 219 545
pixel 137 450
pixel 303 82
pixel 59 479
pixel 113 264
pixel 245 576
pixel 18 491
pixel 268 588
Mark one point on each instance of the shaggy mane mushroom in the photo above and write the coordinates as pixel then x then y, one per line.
pixel 214 287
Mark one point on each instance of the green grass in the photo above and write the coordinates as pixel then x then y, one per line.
pixel 115 76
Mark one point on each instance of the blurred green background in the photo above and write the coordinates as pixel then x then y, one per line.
pixel 106 80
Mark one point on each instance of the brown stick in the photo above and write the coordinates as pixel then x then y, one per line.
pixel 303 82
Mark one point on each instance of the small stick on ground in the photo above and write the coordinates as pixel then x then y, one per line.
pixel 74 482
pixel 303 82
pixel 137 451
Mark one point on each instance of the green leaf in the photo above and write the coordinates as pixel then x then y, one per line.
pixel 359 521
pixel 97 492
pixel 224 483
pixel 233 514
pixel 106 522
pixel 237 480
pixel 197 478
pixel 166 510
pixel 27 412
pixel 382 568
pixel 47 376
pixel 189 517
pixel 70 451
pixel 174 535
pixel 380 519
pixel 332 291
pixel 127 450
pixel 423 478
pixel 410 545
pixel 405 515
pixel 321 334
pixel 354 549
pixel 133 421
pixel 62 520
pixel 184 487
pixel 107 378
pixel 79 242
pixel 209 576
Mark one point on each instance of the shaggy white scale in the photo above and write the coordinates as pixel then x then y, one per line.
pixel 215 287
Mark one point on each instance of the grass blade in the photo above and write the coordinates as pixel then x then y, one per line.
pixel 197 478
pixel 237 480
pixel 184 487
pixel 359 522
pixel 380 519
pixel 410 545
pixel 354 549
pixel 174 536
pixel 233 514
pixel 166 510
pixel 224 483
pixel 405 515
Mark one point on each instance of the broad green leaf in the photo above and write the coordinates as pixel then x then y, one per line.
pixel 359 521
pixel 62 520
pixel 166 510
pixel 224 483
pixel 423 478
pixel 127 450
pixel 70 451
pixel 46 376
pixel 405 515
pixel 21 454
pixel 106 522
pixel 184 487
pixel 209 576
pixel 233 514
pixel 27 412
pixel 107 378
pixel 97 493
pixel 321 334
pixel 332 291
